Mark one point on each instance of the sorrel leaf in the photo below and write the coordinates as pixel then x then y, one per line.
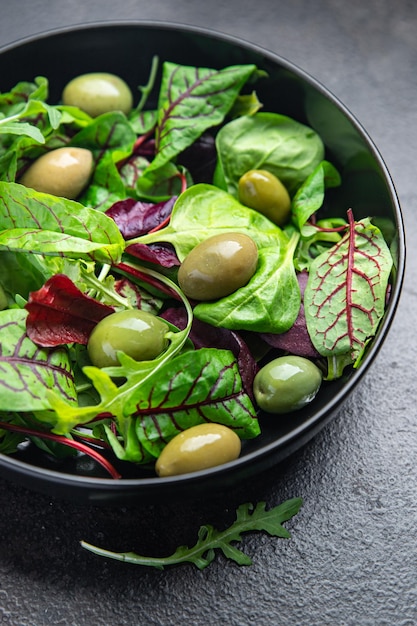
pixel 270 141
pixel 345 295
pixel 197 386
pixel 28 372
pixel 36 222
pixel 191 100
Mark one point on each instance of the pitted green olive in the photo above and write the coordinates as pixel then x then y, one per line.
pixel 218 266
pixel 286 384
pixel 198 448
pixel 98 92
pixel 261 190
pixel 62 172
pixel 139 334
pixel 3 299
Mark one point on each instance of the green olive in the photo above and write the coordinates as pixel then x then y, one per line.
pixel 62 172
pixel 97 93
pixel 197 448
pixel 139 334
pixel 261 190
pixel 286 384
pixel 3 299
pixel 218 266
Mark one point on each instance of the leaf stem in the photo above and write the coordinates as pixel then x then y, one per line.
pixel 77 445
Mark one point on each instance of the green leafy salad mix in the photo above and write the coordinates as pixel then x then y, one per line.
pixel 164 179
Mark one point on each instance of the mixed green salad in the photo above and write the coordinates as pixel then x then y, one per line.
pixel 162 180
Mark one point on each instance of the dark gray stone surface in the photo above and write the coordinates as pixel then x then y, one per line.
pixel 352 559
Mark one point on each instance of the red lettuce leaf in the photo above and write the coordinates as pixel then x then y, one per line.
pixel 297 339
pixel 135 218
pixel 158 253
pixel 60 313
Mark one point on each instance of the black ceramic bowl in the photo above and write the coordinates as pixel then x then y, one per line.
pixel 127 49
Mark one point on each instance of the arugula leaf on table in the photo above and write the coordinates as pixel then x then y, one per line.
pixel 248 518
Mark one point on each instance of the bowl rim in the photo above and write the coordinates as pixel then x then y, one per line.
pixel 308 428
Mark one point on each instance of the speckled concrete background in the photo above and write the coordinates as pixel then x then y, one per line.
pixel 352 559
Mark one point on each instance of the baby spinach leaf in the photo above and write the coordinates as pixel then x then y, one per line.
pixel 310 196
pixel 346 292
pixel 270 301
pixel 204 210
pixel 269 141
pixel 28 372
pixel 248 518
pixel 191 100
pixel 46 224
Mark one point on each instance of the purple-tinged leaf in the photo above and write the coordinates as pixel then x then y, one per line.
pixel 135 218
pixel 28 372
pixel 160 254
pixel 59 313
pixel 204 335
pixel 296 340
pixel 345 296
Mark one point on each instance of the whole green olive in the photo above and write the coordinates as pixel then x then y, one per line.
pixel 3 299
pixel 218 266
pixel 62 172
pixel 197 448
pixel 261 190
pixel 98 92
pixel 139 334
pixel 286 384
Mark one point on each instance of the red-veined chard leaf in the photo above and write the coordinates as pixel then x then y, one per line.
pixel 28 372
pixel 345 296
pixel 59 313
pixel 191 100
pixel 197 386
pixel 36 222
pixel 109 133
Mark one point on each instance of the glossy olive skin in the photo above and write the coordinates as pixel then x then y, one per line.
pixel 261 190
pixel 138 334
pixel 63 172
pixel 198 448
pixel 97 93
pixel 218 266
pixel 286 384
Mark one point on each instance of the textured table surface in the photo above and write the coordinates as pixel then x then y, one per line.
pixel 352 558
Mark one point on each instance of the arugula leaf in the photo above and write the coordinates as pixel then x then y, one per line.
pixel 269 141
pixel 248 518
pixel 45 224
pixel 346 291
